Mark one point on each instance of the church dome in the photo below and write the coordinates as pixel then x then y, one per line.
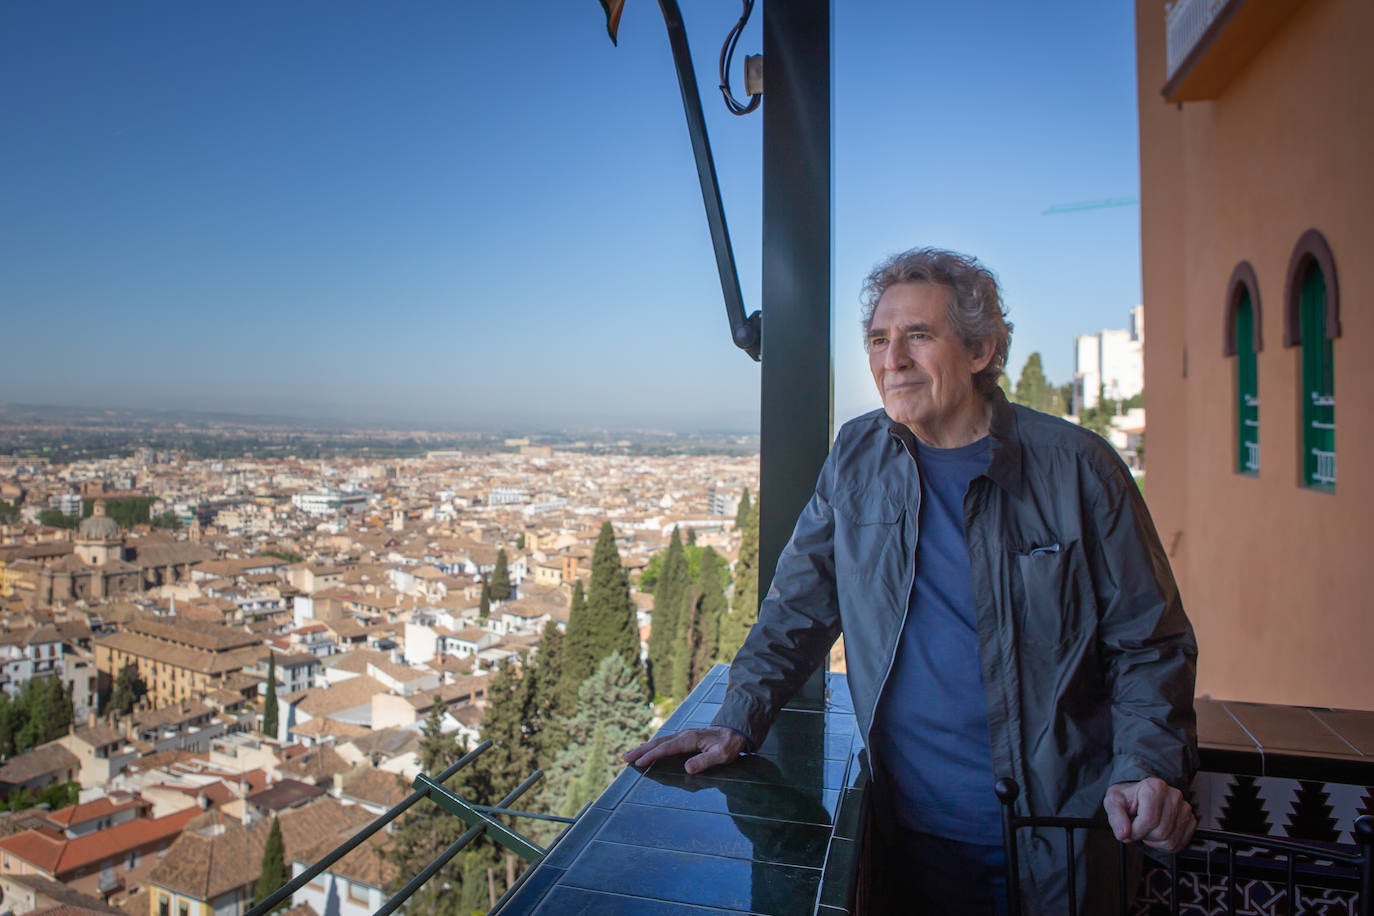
pixel 99 527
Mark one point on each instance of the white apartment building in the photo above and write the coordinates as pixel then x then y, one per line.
pixel 1110 363
pixel 331 502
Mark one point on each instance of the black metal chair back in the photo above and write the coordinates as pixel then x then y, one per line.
pixel 1291 851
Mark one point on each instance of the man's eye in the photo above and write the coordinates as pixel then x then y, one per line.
pixel 918 335
pixel 877 341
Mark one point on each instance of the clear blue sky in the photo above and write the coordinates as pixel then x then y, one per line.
pixel 484 213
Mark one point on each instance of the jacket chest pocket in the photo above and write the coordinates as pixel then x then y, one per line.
pixel 1054 606
pixel 867 533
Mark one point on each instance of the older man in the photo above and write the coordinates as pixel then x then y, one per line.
pixel 1006 605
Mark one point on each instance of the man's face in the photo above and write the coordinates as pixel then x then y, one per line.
pixel 923 371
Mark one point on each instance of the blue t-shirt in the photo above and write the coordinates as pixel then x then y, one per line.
pixel 932 725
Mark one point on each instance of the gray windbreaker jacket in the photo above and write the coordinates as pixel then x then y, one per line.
pixel 1086 655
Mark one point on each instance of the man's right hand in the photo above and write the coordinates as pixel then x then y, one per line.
pixel 711 745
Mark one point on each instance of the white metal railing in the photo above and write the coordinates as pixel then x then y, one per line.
pixel 1326 467
pixel 1185 22
pixel 1252 456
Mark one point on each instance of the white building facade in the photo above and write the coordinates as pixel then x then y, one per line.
pixel 1109 364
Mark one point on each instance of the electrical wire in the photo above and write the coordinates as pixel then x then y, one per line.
pixel 727 57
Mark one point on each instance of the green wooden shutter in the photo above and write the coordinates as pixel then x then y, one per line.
pixel 1318 388
pixel 1247 390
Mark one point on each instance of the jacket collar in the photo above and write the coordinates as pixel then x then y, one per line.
pixel 1004 466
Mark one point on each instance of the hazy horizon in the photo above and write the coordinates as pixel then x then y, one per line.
pixel 489 215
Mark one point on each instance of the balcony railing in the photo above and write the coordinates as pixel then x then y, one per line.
pixel 775 832
pixel 1326 467
pixel 478 817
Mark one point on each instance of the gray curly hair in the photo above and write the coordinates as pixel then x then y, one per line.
pixel 976 312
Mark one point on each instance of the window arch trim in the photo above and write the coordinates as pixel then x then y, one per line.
pixel 1243 280
pixel 1312 248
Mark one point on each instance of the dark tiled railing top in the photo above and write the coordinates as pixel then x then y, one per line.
pixel 775 832
pixel 1299 742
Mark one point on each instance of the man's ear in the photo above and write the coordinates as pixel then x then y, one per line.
pixel 980 354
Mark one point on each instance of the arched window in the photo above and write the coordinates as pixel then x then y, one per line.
pixel 1312 322
pixel 1242 340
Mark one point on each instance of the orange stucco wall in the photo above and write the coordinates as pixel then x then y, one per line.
pixel 1278 579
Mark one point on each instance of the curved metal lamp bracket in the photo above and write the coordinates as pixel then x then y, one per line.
pixel 744 330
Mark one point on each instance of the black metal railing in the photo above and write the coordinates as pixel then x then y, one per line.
pixel 1333 858
pixel 479 818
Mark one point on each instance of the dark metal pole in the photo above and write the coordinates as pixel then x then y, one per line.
pixel 795 416
pixel 743 330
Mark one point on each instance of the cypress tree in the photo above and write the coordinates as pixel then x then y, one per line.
pixel 577 645
pixel 608 623
pixel 500 577
pixel 484 605
pixel 692 536
pixel 9 725
pixel 742 513
pixel 711 612
pixel 269 702
pixel 744 607
pixel 508 723
pixel 1032 389
pixel 684 645
pixel 549 701
pixel 272 873
pixel 669 595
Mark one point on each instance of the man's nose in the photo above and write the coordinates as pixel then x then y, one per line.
pixel 897 355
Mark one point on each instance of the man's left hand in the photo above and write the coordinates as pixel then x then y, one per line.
pixel 1150 811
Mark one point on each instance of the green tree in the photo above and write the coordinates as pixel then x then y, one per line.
pixel 550 704
pixel 474 899
pixel 9 514
pixel 744 606
pixel 610 702
pixel 129 688
pixel 698 632
pixel 43 712
pixel 500 577
pixel 484 603
pixel 168 520
pixel 269 702
pixel 289 556
pixel 520 541
pixel 742 513
pixel 55 518
pixel 426 830
pixel 648 579
pixel 10 723
pixel 507 724
pixel 1033 389
pixel 607 623
pixel 1098 418
pixel 670 593
pixel 692 536
pixel 272 872
pixel 130 510
pixel 711 608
